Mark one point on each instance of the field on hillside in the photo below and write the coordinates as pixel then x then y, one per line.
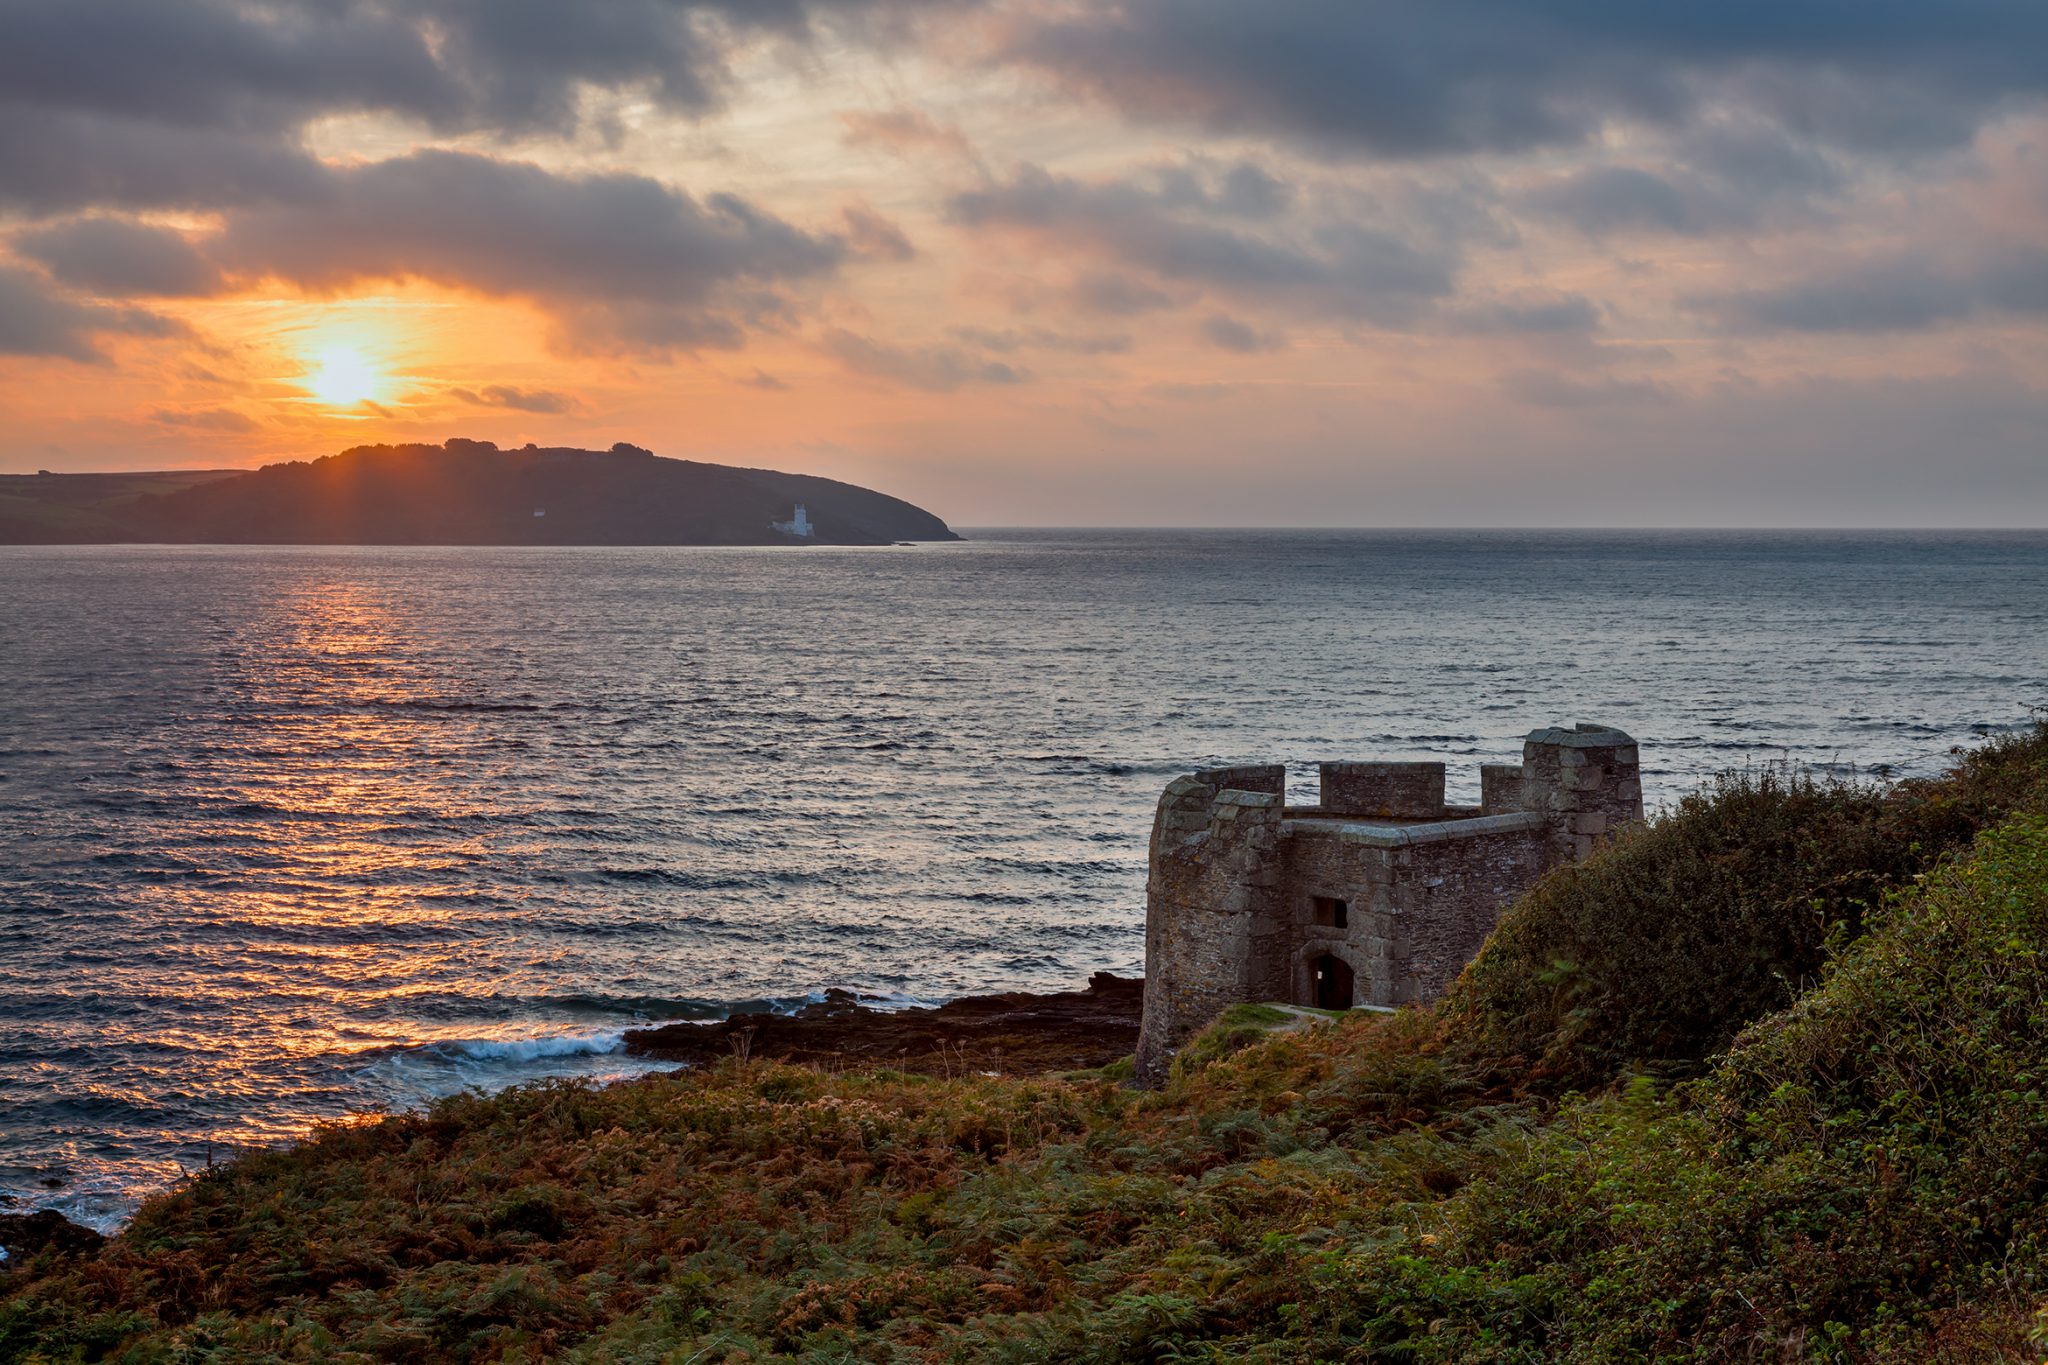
pixel 1766 1079
pixel 54 509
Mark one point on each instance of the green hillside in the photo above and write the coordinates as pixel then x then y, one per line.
pixel 65 509
pixel 1767 1080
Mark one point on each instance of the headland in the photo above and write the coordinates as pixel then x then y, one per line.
pixel 459 493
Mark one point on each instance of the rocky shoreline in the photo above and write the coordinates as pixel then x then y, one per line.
pixel 1013 1034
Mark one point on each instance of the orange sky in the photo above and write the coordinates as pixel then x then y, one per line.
pixel 1027 264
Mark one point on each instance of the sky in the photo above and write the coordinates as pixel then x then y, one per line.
pixel 1157 262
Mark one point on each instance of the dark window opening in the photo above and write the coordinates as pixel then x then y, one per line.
pixel 1330 982
pixel 1332 913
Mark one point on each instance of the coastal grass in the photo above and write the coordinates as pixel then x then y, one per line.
pixel 1767 1080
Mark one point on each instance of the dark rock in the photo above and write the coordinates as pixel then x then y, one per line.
pixel 1015 1034
pixel 25 1235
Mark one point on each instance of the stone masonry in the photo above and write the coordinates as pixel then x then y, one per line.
pixel 1378 896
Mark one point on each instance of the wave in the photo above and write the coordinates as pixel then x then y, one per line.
pixel 537 1049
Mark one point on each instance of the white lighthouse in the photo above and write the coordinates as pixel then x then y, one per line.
pixel 799 524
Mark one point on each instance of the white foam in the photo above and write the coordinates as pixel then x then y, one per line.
pixel 535 1049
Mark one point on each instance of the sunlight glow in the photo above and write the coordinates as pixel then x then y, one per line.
pixel 342 377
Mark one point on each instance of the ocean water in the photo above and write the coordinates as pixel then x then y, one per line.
pixel 289 833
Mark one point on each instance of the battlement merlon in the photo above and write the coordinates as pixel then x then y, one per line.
pixel 1586 781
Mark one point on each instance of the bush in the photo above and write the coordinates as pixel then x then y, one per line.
pixel 1656 951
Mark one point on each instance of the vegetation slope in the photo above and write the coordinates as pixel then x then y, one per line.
pixel 1765 1080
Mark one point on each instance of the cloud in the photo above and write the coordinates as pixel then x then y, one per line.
pixel 204 103
pixel 1241 337
pixel 1117 293
pixel 934 369
pixel 1711 180
pixel 206 419
pixel 1003 341
pixel 1330 264
pixel 621 260
pixel 872 237
pixel 1909 291
pixel 1417 78
pixel 903 131
pixel 113 257
pixel 1548 389
pixel 1602 199
pixel 1182 392
pixel 518 400
pixel 1543 315
pixel 62 160
pixel 768 383
pixel 36 320
pixel 453 65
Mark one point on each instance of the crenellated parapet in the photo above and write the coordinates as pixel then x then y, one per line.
pixel 1376 896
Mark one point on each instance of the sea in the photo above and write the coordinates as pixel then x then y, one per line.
pixel 289 834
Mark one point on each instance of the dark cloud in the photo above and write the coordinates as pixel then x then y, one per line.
pixel 934 369
pixel 1332 265
pixel 516 399
pixel 1242 190
pixel 766 382
pixel 113 257
pixel 1546 316
pixel 501 66
pixel 619 259
pixel 1241 337
pixel 1708 180
pixel 1603 199
pixel 37 320
pixel 210 63
pixel 58 161
pixel 203 103
pixel 1906 292
pixel 1427 77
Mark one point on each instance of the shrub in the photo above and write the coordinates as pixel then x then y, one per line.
pixel 1656 951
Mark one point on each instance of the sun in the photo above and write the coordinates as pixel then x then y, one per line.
pixel 343 377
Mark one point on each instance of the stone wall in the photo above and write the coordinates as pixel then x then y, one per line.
pixel 1389 791
pixel 1210 921
pixel 1420 898
pixel 1500 788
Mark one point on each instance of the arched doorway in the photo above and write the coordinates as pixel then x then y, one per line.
pixel 1330 982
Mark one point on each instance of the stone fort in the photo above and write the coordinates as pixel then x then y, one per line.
pixel 1377 896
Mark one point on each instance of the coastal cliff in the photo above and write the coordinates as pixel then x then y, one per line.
pixel 458 493
pixel 1760 1080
